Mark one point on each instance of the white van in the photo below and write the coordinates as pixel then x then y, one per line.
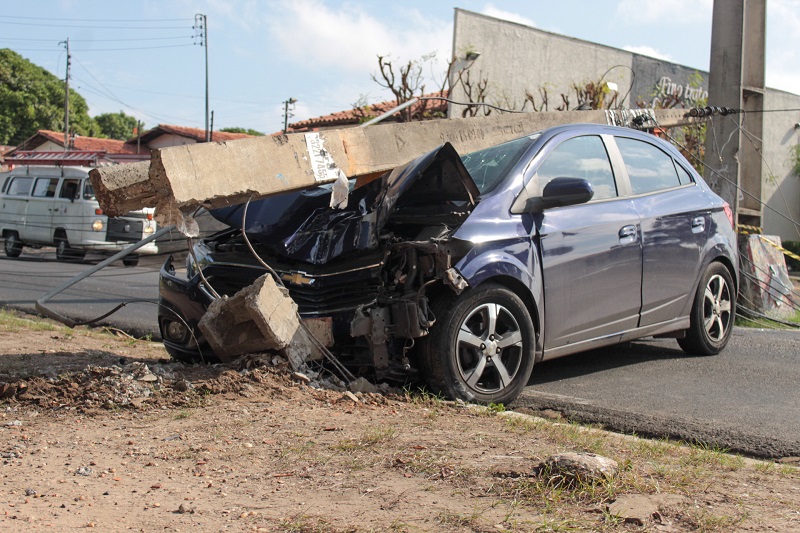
pixel 56 206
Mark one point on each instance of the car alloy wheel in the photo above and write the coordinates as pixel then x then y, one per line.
pixel 713 312
pixel 481 346
pixel 489 348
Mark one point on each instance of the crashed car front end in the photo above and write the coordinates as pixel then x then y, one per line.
pixel 369 269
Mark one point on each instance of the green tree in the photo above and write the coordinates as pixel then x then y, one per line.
pixel 246 131
pixel 31 99
pixel 116 125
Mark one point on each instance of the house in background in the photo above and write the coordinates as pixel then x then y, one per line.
pixel 165 135
pixel 47 147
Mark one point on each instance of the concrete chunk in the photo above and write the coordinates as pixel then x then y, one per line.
pixel 260 317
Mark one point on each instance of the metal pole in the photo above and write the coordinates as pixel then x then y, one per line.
pixel 391 112
pixel 85 274
pixel 201 26
pixel 66 99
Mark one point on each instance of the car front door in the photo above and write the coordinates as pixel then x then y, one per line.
pixel 591 254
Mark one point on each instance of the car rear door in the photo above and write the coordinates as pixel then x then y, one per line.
pixel 591 255
pixel 674 219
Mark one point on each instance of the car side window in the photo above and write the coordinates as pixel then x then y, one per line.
pixel 684 177
pixel 69 189
pixel 649 168
pixel 45 187
pixel 20 186
pixel 580 157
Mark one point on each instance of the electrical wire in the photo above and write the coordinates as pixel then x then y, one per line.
pixel 95 20
pixel 81 26
pixel 750 137
pixel 470 103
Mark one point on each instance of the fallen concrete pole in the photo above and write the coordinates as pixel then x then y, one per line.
pixel 179 179
pixel 258 318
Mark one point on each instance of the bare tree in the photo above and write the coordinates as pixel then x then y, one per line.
pixel 405 84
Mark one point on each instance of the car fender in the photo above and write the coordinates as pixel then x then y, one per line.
pixel 716 248
pixel 514 264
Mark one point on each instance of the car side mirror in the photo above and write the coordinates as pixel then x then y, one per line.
pixel 561 192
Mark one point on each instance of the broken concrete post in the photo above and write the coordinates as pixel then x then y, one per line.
pixel 260 317
pixel 181 178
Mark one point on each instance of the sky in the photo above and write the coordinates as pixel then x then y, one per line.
pixel 147 58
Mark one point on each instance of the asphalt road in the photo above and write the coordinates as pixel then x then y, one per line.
pixel 29 277
pixel 746 399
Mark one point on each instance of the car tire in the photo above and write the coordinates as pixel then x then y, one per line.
pixel 64 252
pixel 713 313
pixel 130 261
pixel 481 348
pixel 12 245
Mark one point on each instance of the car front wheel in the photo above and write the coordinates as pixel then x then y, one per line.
pixel 713 313
pixel 481 347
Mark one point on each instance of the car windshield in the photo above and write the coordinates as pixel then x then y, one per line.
pixel 488 167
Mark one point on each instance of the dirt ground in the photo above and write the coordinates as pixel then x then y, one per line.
pixel 102 431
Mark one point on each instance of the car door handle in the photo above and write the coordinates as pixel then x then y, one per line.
pixel 628 234
pixel 698 224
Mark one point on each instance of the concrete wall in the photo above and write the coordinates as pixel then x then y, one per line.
pixel 515 58
pixel 780 189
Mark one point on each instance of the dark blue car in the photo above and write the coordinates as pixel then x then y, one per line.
pixel 472 268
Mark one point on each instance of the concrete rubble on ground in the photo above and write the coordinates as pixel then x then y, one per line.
pixel 180 179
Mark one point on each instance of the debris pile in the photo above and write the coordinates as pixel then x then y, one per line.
pixel 147 385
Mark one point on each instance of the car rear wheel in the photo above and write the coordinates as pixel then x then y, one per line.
pixel 713 313
pixel 130 261
pixel 481 347
pixel 12 245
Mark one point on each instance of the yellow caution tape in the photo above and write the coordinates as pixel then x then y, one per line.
pixel 748 230
pixel 781 248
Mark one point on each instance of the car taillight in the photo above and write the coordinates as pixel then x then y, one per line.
pixel 729 213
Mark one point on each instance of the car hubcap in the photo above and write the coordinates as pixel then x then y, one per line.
pixel 489 348
pixel 717 308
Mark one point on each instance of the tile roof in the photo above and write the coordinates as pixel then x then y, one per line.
pixel 112 146
pixel 198 134
pixel 352 117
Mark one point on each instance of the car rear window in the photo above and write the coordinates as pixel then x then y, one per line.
pixel 488 167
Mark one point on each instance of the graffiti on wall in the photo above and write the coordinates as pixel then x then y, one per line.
pixel 688 93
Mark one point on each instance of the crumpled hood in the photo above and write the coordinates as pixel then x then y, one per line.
pixel 434 189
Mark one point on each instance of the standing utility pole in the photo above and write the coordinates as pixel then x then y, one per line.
pixel 201 27
pixel 287 113
pixel 736 79
pixel 66 97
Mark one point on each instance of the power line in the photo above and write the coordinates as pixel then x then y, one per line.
pixel 93 20
pixel 135 48
pixel 150 28
pixel 96 40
